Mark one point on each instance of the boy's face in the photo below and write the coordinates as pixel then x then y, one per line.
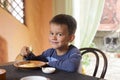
pixel 59 36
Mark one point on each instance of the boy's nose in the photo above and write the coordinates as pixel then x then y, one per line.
pixel 54 37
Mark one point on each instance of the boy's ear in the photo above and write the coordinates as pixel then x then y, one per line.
pixel 72 37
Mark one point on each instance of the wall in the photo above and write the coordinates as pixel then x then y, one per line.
pixel 34 33
pixel 111 45
pixel 14 34
pixel 110 22
pixel 99 39
pixel 57 8
pixel 38 14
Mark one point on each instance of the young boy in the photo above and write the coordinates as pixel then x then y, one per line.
pixel 62 55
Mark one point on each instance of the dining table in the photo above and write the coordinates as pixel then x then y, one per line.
pixel 13 73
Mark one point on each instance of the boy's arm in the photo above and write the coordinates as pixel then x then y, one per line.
pixel 31 56
pixel 70 65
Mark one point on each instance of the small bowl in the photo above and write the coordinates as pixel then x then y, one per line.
pixel 48 69
pixel 34 78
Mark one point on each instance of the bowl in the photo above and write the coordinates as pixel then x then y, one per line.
pixel 2 74
pixel 34 78
pixel 48 69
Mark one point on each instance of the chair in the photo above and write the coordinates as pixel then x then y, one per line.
pixel 96 52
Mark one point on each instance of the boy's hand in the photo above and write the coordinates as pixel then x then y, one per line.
pixel 25 51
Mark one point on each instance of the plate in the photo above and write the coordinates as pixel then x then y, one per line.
pixel 34 78
pixel 29 64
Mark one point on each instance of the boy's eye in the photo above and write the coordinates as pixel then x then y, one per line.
pixel 51 33
pixel 59 34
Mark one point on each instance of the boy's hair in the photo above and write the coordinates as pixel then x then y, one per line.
pixel 67 20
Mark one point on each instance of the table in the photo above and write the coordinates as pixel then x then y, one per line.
pixel 14 73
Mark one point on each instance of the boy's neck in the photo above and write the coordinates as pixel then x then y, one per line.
pixel 62 51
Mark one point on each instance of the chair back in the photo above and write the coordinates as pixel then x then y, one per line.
pixel 96 52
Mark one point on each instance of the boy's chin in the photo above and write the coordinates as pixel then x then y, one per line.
pixel 55 47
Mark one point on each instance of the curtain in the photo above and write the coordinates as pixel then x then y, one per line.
pixel 88 14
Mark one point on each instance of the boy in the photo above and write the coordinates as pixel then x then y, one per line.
pixel 62 55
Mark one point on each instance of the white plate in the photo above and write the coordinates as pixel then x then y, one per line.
pixel 48 69
pixel 34 78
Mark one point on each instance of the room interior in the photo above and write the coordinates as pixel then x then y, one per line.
pixel 34 33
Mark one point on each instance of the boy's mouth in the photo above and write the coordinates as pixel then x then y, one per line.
pixel 54 42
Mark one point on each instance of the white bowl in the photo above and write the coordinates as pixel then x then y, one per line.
pixel 48 69
pixel 34 78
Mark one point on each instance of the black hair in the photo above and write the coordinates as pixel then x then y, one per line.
pixel 67 20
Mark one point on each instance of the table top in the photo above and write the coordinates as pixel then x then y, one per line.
pixel 14 73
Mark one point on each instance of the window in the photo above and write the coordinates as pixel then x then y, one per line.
pixel 14 7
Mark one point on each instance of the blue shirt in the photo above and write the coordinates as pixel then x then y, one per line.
pixel 68 62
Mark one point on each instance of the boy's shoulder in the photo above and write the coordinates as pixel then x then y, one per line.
pixel 73 48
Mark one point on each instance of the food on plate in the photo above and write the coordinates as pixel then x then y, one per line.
pixel 29 64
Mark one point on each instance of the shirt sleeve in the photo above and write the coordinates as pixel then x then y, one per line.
pixel 31 56
pixel 71 64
